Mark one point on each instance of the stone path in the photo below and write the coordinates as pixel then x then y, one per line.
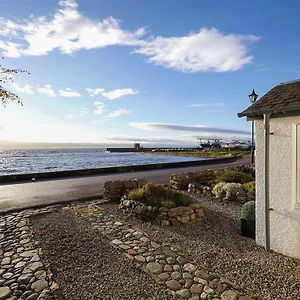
pixel 22 273
pixel 182 278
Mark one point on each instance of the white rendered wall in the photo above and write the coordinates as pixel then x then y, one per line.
pixel 284 218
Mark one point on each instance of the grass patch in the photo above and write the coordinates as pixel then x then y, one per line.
pixel 157 195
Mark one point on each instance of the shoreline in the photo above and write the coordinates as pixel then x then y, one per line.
pixel 111 170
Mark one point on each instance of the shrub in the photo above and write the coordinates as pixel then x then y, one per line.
pixel 229 191
pixel 235 176
pixel 136 195
pixel 248 211
pixel 249 187
pixel 157 195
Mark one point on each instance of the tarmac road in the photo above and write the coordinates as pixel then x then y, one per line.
pixel 40 193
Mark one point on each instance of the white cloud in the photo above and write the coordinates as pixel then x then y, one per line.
pixel 82 113
pixel 202 51
pixel 113 94
pixel 99 108
pixel 94 92
pixel 118 93
pixel 118 112
pixel 69 93
pixel 207 105
pixel 46 89
pixel 67 31
pixel 26 89
pixel 201 129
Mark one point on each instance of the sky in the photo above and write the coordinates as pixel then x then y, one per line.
pixel 158 72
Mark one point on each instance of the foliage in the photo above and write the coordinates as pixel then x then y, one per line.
pixel 248 211
pixel 249 187
pixel 157 195
pixel 229 191
pixel 7 75
pixel 235 176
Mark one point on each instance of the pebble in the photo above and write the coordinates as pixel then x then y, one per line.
pixel 154 267
pixel 5 292
pixel 229 295
pixel 173 285
pixel 184 294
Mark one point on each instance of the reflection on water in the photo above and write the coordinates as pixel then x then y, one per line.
pixel 45 160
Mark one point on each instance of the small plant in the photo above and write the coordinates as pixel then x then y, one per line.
pixel 235 176
pixel 229 191
pixel 157 195
pixel 248 211
pixel 136 195
pixel 249 187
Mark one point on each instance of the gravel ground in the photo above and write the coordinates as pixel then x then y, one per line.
pixel 84 264
pixel 217 246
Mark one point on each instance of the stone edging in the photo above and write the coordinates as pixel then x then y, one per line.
pixel 181 278
pixel 162 215
pixel 22 273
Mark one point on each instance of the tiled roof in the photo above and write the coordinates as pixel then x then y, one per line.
pixel 281 99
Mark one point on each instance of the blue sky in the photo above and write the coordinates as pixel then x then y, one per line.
pixel 149 71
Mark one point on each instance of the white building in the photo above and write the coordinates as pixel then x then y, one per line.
pixel 277 122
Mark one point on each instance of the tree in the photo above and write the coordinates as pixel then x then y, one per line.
pixel 7 75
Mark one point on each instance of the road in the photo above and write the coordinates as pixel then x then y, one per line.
pixel 40 193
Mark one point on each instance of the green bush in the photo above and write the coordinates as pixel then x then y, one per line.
pixel 248 211
pixel 235 176
pixel 249 187
pixel 157 195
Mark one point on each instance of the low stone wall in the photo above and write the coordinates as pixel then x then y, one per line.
pixel 114 190
pixel 162 215
pixel 204 178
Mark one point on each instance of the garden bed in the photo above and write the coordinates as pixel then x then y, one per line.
pixel 217 245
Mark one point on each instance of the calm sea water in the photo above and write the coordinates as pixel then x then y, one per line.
pixel 47 160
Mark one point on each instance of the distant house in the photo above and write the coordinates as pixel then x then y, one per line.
pixel 277 121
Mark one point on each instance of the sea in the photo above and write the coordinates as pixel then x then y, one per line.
pixel 49 160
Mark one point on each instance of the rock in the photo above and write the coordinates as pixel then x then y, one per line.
pixel 5 292
pixel 20 264
pixel 29 253
pixel 154 267
pixel 25 278
pixel 36 266
pixel 164 276
pixel 197 288
pixel 33 296
pixel 187 275
pixel 202 274
pixel 164 223
pixel 180 211
pixel 184 294
pixel 203 296
pixel 39 285
pixel 194 298
pixel 181 260
pixel 173 285
pixel 176 275
pixel 5 261
pixel 189 267
pixel 168 268
pixel 188 283
pixel 208 290
pixel 229 295
pixel 140 258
